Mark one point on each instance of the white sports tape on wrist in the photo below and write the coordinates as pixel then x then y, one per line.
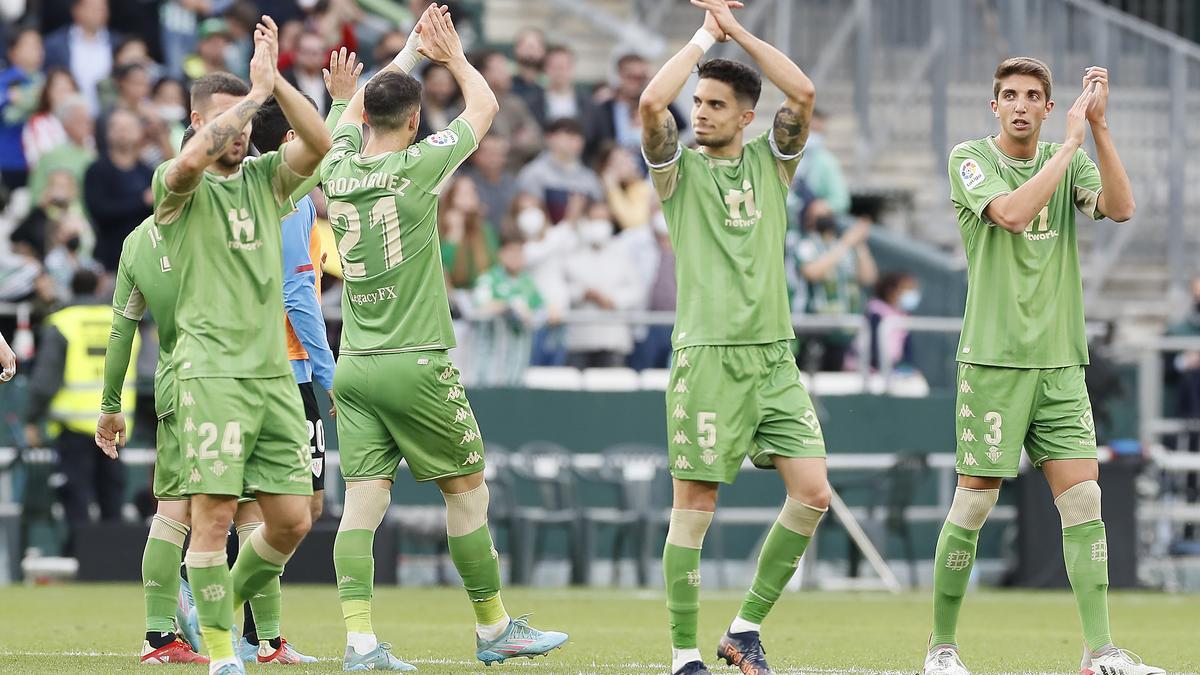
pixel 409 58
pixel 703 39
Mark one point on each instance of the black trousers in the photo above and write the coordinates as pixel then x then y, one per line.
pixel 88 476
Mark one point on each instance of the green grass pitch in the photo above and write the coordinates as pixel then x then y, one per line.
pixel 97 628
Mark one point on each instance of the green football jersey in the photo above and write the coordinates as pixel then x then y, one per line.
pixel 727 221
pixel 146 279
pixel 230 268
pixel 383 211
pixel 1024 291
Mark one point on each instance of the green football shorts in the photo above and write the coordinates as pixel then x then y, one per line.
pixel 406 405
pixel 168 462
pixel 1001 410
pixel 727 402
pixel 243 436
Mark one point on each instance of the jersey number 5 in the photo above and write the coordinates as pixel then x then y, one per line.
pixel 383 215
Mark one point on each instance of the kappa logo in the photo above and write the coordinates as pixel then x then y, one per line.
pixel 153 584
pixel 446 374
pixel 958 560
pixel 965 387
pixel 969 459
pixel 462 415
pixel 994 454
pixel 968 436
pixel 681 438
pixel 1100 551
pixel 213 593
pixel 708 456
pixel 693 578
pixel 682 361
pixel 470 437
pixel 966 411
pixel 681 386
pixel 971 174
pixel 195 477
pixel 682 464
pixel 346 579
pixel 680 413
pixel 187 399
pixel 191 451
pixel 472 458
pixel 189 425
pixel 454 394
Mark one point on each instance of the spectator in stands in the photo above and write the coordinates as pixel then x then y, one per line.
pixel 390 44
pixel 116 187
pixel 131 52
pixel 618 119
pixel 835 267
pixel 63 388
pixel 529 48
pixel 546 249
pixel 241 18
pixel 628 193
pixel 305 73
pixel 600 277
pixel 820 171
pixel 53 220
pixel 76 154
pixel 19 86
pixel 507 299
pixel 897 294
pixel 170 105
pixel 212 43
pixel 653 349
pixel 468 243
pixel 514 121
pixel 43 132
pixel 178 34
pixel 566 99
pixel 85 47
pixel 496 185
pixel 559 172
pixel 131 84
pixel 441 100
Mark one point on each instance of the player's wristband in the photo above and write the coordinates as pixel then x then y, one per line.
pixel 703 39
pixel 408 58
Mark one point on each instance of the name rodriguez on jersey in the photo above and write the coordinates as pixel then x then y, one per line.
pixel 382 180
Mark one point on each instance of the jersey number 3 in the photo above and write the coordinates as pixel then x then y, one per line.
pixel 383 215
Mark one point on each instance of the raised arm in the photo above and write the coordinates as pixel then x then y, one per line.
pixel 440 43
pixel 790 129
pixel 1017 209
pixel 312 138
pixel 405 62
pixel 214 138
pixel 1116 198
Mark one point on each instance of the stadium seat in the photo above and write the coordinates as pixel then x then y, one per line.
pixel 610 379
pixel 655 379
pixel 616 494
pixel 553 377
pixel 546 502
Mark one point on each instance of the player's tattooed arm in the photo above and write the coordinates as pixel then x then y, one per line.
pixel 790 129
pixel 211 142
pixel 661 141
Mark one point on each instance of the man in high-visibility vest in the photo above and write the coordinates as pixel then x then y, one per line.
pixel 66 383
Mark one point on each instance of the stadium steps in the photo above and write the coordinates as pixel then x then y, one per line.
pixel 594 50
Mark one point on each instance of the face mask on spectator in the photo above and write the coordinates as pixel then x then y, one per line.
pixel 530 222
pixel 595 232
pixel 659 221
pixel 910 299
pixel 171 113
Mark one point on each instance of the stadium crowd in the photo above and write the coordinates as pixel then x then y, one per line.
pixel 553 215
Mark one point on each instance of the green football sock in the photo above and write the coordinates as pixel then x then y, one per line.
pixel 213 590
pixel 681 572
pixel 477 563
pixel 354 565
pixel 777 562
pixel 160 583
pixel 952 565
pixel 249 569
pixel 1085 551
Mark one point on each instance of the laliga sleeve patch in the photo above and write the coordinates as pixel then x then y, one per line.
pixel 970 173
pixel 443 137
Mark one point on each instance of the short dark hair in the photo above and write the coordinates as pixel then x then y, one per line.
pixel 211 84
pixel 271 125
pixel 85 282
pixel 479 58
pixel 631 57
pixel 124 71
pixel 1022 65
pixel 889 282
pixel 564 125
pixel 389 98
pixel 745 81
pixel 559 49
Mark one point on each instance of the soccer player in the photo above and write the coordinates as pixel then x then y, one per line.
pixel 241 415
pixel 734 387
pixel 1023 348
pixel 398 395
